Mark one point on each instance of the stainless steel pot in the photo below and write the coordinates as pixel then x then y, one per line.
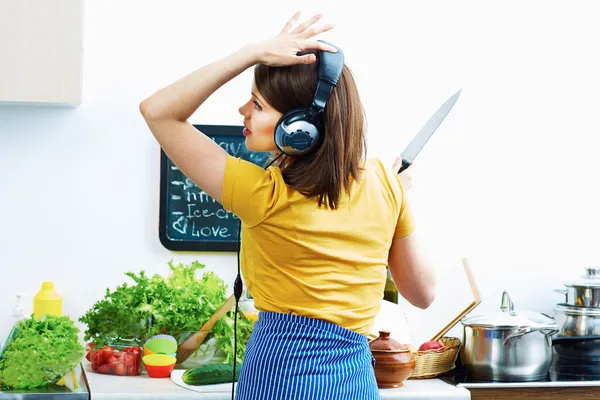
pixel 577 321
pixel 510 346
pixel 577 350
pixel 584 292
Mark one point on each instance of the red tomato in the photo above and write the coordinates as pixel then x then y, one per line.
pixel 132 349
pixel 97 360
pixel 107 353
pixel 120 369
pixel 119 356
pixel 132 370
pixel 104 369
pixel 88 355
pixel 112 359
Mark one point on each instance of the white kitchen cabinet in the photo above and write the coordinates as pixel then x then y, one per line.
pixel 41 52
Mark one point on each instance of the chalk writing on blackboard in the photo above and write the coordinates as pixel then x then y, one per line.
pixel 189 218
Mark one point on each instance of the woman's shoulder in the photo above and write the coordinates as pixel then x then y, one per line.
pixel 375 167
pixel 252 192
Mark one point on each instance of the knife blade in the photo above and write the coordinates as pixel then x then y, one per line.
pixel 421 138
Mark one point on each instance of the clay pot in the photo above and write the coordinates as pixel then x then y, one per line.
pixel 394 362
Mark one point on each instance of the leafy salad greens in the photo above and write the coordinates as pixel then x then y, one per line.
pixel 178 305
pixel 40 352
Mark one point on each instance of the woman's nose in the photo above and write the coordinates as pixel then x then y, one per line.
pixel 242 110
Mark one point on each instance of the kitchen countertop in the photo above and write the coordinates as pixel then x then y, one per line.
pixel 111 387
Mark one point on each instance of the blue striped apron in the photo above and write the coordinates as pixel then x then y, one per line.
pixel 294 357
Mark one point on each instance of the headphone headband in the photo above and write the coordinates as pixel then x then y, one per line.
pixel 330 70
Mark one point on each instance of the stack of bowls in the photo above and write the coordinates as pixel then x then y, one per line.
pixel 159 356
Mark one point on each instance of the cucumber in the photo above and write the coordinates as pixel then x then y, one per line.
pixel 210 374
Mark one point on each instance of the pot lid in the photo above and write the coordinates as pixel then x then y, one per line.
pixel 385 343
pixel 508 317
pixel 591 278
pixel 569 309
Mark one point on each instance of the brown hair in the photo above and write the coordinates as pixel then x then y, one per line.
pixel 326 172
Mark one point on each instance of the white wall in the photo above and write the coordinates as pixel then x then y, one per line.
pixel 510 180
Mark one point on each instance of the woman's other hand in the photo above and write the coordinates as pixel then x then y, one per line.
pixel 282 49
pixel 404 177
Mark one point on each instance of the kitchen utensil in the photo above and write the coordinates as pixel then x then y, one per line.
pixel 577 349
pixel 574 372
pixel 421 138
pixel 159 365
pixel 476 300
pixel 248 309
pixel 189 346
pixel 584 292
pixel 394 362
pixel 577 321
pixel 510 346
pixel 161 344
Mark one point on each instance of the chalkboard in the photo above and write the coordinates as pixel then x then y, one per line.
pixel 189 218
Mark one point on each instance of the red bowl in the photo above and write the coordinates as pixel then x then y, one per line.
pixel 162 371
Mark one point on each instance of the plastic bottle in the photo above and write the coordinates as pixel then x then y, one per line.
pixel 390 293
pixel 17 315
pixel 47 301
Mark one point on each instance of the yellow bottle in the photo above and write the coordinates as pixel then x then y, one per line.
pixel 47 301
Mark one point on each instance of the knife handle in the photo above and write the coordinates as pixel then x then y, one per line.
pixel 405 164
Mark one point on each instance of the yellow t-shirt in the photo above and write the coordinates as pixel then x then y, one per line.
pixel 307 260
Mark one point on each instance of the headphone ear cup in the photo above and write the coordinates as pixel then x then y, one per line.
pixel 296 133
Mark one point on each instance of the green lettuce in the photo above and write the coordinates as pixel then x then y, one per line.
pixel 41 352
pixel 178 305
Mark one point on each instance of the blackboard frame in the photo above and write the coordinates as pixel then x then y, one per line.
pixel 191 245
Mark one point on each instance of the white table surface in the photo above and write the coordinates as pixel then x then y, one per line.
pixel 111 387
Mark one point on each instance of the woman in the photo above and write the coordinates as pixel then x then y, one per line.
pixel 318 230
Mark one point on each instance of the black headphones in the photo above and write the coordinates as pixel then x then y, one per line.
pixel 301 130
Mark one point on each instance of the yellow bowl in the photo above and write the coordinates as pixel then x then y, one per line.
pixel 158 360
pixel 159 365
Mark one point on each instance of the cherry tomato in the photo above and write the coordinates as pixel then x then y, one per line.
pixel 97 359
pixel 133 349
pixel 120 369
pixel 104 369
pixel 88 354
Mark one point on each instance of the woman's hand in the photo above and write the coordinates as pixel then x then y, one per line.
pixel 282 49
pixel 404 177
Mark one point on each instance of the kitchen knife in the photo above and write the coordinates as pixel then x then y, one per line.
pixel 415 146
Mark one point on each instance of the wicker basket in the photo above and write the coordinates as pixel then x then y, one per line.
pixel 433 363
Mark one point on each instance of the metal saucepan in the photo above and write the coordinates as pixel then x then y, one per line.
pixel 584 292
pixel 577 321
pixel 577 349
pixel 510 346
